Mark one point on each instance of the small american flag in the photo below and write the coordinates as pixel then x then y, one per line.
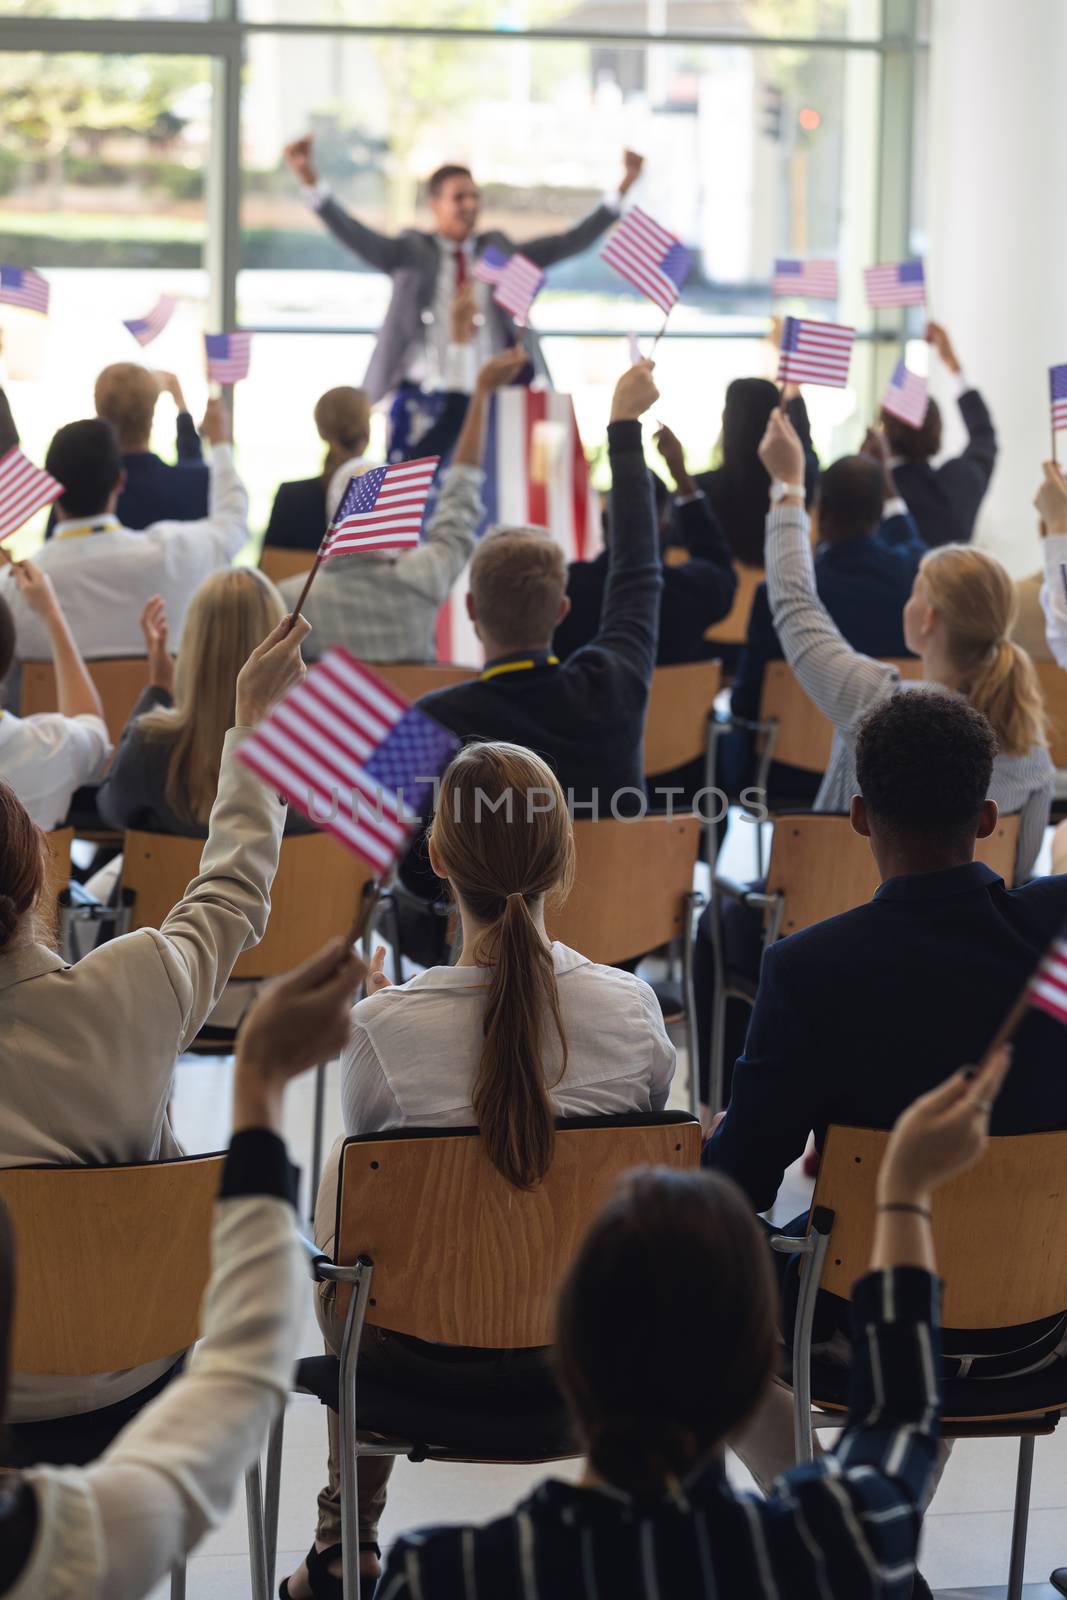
pixel 815 352
pixel 353 755
pixel 1047 988
pixel 382 509
pixel 21 286
pixel 490 264
pixel 907 396
pixel 24 489
pixel 228 356
pixel 1057 377
pixel 646 255
pixel 814 280
pixel 145 329
pixel 518 286
pixel 896 283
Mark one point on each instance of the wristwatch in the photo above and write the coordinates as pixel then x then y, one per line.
pixel 782 491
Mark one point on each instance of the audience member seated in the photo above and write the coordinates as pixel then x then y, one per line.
pixel 868 554
pixel 46 757
pixel 944 500
pixel 958 622
pixel 121 1526
pixel 384 607
pixel 126 396
pixel 298 516
pixel 665 1347
pixel 698 590
pixel 1051 503
pixel 103 573
pixel 91 1048
pixel 857 1015
pixel 738 491
pixel 166 770
pixel 520 1031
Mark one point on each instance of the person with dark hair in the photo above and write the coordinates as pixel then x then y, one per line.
pixel 739 490
pixel 428 268
pixel 944 500
pixel 48 756
pixel 665 1347
pixel 699 581
pixel 119 1525
pixel 105 574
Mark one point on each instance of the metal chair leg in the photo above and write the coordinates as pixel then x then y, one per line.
pixel 318 1119
pixel 177 1582
pixel 348 1432
pixel 1023 1479
pixel 272 1494
pixel 257 1553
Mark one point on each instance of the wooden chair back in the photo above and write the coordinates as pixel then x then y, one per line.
pixel 679 705
pixel 315 895
pixel 57 869
pixel 413 680
pixel 1000 1229
pixel 805 736
pixel 462 1257
pixel 111 1261
pixel 1053 682
pixel 630 885
pixel 278 564
pixel 821 867
pixel 120 682
pixel 733 629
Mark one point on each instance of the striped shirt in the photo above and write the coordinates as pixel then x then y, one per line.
pixel 845 1525
pixel 845 685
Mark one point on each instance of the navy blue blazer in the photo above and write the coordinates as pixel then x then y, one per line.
pixel 156 492
pixel 858 1015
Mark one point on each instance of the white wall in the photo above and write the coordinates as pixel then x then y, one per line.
pixel 997 174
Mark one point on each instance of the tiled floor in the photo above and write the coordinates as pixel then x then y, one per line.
pixel 967 1532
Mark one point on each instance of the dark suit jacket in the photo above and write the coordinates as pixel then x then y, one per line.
pixel 945 500
pixel 157 492
pixel 695 595
pixel 411 259
pixel 858 1015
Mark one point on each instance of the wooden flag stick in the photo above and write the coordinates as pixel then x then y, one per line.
pixel 1011 1024
pixel 310 579
pixel 361 920
pixel 662 331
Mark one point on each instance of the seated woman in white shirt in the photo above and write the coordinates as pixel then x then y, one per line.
pixel 521 1031
pixel 118 1527
pixel 46 757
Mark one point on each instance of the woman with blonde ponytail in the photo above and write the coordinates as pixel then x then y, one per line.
pixel 520 1031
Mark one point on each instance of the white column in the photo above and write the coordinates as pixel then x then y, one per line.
pixel 997 173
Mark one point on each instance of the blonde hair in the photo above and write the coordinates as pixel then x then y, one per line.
pixel 125 395
pixel 972 593
pixel 518 578
pixel 342 416
pixel 230 613
pixel 502 833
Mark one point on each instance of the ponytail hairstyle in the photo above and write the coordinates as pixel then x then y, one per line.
pixel 665 1327
pixel 22 866
pixel 503 837
pixel 974 597
pixel 342 417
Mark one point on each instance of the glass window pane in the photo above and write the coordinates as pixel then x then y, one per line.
pixel 113 10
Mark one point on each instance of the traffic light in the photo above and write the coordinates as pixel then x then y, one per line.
pixel 773 108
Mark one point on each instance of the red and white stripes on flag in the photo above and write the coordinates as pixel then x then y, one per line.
pixel 895 283
pixel 382 509
pixel 812 280
pixel 1048 986
pixel 907 396
pixel 518 286
pixel 24 489
pixel 150 326
pixel 649 256
pixel 815 352
pixel 352 755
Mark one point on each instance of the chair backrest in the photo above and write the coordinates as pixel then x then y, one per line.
pixel 111 1261
pixel 629 887
pixel 315 895
pixel 279 564
pixel 120 682
pixel 1053 682
pixel 462 1257
pixel 679 705
pixel 821 867
pixel 733 629
pixel 805 736
pixel 57 872
pixel 413 680
pixel 1000 1229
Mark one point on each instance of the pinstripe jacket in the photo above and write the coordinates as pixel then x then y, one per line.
pixel 845 1525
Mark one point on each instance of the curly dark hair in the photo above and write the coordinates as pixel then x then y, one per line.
pixel 924 761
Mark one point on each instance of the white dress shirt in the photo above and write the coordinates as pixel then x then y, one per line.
pixel 414 1052
pixel 104 573
pixel 45 758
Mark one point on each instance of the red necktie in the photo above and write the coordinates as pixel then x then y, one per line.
pixel 461 269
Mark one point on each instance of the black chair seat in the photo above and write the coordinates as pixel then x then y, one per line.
pixel 967 1399
pixel 466 1430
